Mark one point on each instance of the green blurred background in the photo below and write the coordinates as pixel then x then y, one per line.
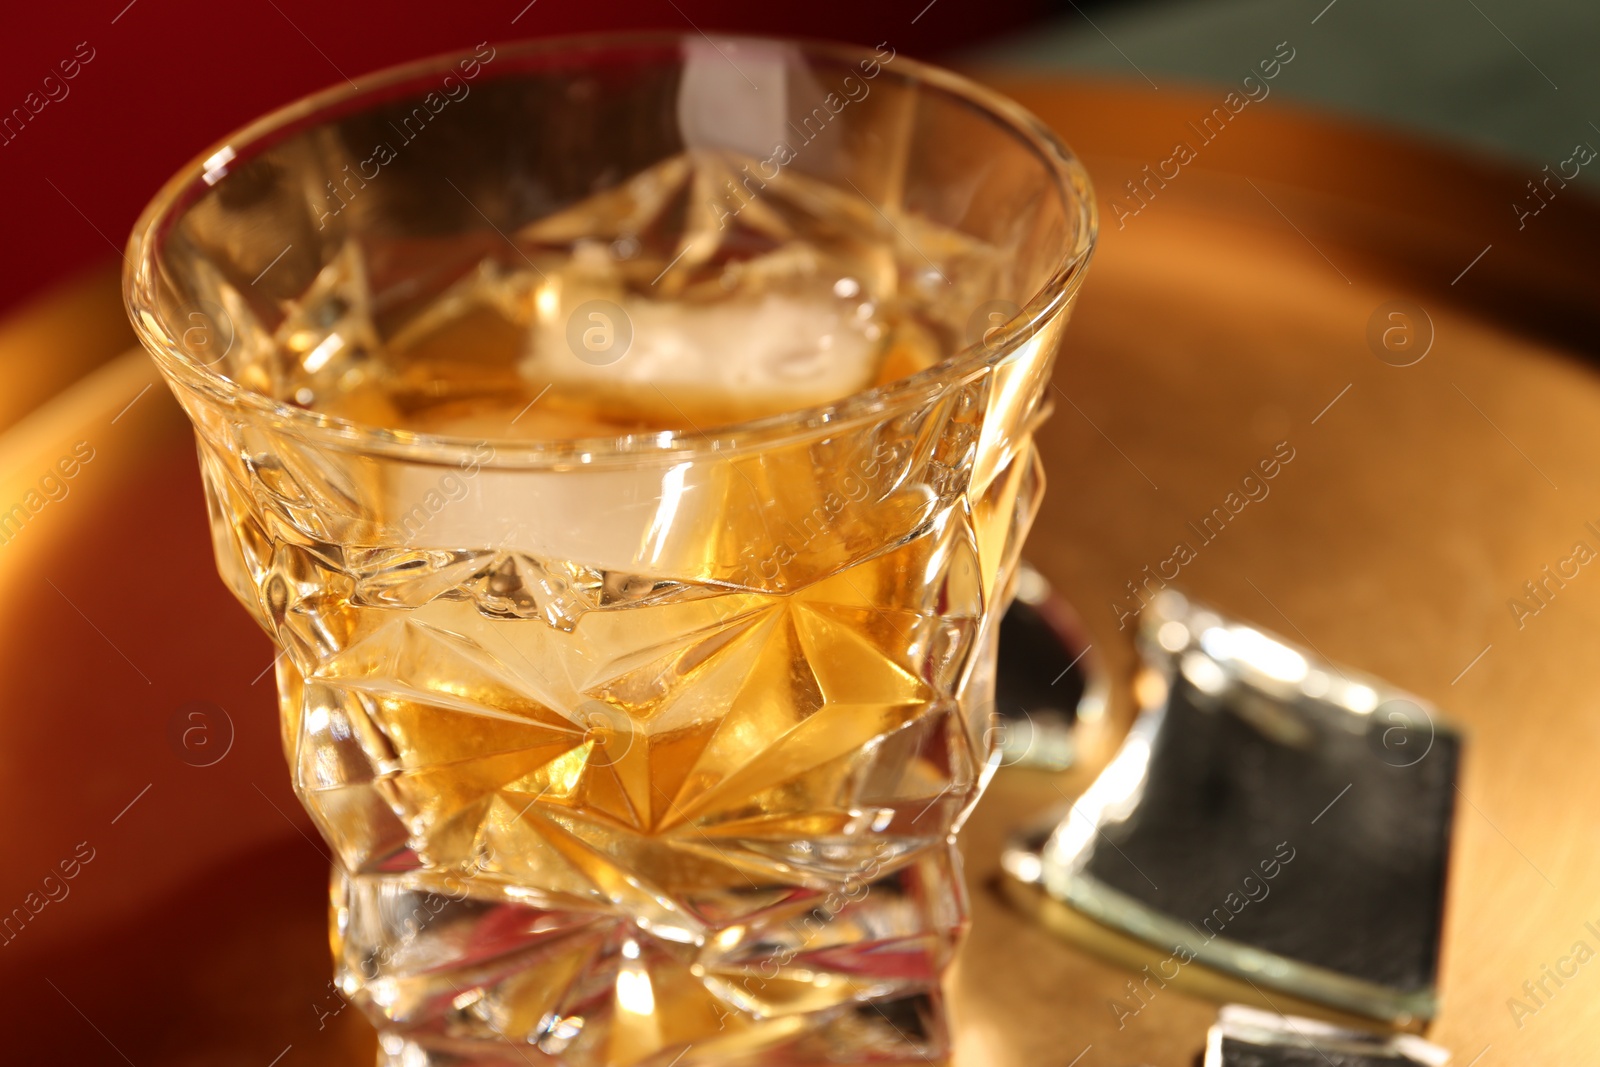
pixel 1517 78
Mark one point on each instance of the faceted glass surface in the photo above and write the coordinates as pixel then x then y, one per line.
pixel 628 444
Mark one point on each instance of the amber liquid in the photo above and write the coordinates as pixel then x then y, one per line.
pixel 690 806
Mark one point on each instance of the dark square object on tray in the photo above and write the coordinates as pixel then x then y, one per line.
pixel 1270 815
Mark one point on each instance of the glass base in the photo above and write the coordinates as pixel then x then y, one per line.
pixel 907 1031
pixel 773 975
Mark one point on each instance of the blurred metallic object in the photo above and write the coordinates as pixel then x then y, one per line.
pixel 1049 678
pixel 1270 815
pixel 1249 1037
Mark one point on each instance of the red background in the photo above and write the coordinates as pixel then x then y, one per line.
pixel 168 77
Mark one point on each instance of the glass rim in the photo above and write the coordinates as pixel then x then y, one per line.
pixel 177 195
